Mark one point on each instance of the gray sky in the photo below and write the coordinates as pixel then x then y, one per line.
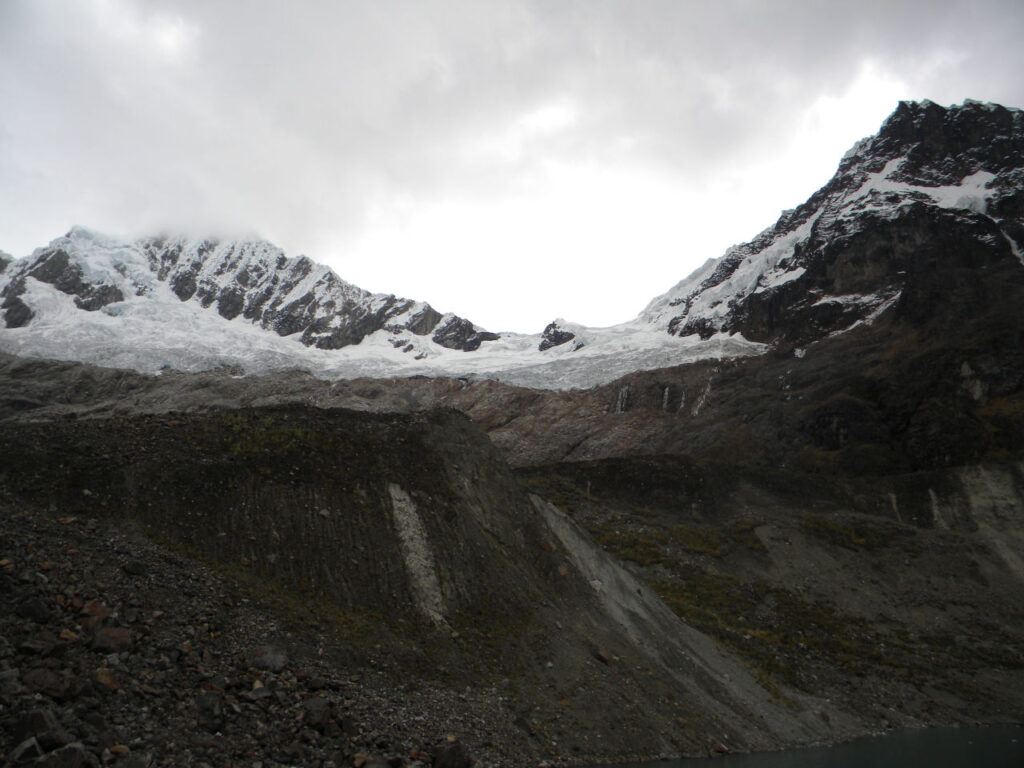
pixel 510 161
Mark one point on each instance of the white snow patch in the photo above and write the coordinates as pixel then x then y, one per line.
pixel 850 299
pixel 712 303
pixel 781 278
pixel 970 194
pixel 876 313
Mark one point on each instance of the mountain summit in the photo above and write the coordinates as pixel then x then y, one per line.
pixel 909 214
pixel 250 279
pixel 934 187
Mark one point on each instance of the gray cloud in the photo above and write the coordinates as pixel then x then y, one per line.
pixel 297 121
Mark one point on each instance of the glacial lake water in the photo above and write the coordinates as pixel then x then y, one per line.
pixel 990 747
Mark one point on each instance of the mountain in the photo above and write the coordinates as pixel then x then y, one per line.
pixel 249 279
pixel 849 254
pixel 934 184
pixel 783 506
pixel 164 303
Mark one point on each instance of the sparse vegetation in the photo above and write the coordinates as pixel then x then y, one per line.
pixel 744 533
pixel 860 534
pixel 642 546
pixel 698 539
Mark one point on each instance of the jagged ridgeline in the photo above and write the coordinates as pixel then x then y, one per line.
pixel 909 216
pixel 249 279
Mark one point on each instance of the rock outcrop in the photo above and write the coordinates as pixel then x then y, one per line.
pixel 553 336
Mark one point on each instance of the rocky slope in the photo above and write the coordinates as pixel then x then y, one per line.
pixel 118 650
pixel 400 543
pixel 848 521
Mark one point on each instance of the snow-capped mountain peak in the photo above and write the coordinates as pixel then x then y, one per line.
pixel 251 279
pixel 962 164
pixel 936 191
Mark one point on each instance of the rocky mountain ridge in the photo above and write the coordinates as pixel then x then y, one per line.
pixel 936 192
pixel 844 257
pixel 249 279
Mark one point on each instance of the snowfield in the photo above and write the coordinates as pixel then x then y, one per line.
pixel 156 330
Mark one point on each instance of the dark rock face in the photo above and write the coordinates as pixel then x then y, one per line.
pixel 554 336
pixel 425 321
pixel 56 268
pixel 924 261
pixel 293 296
pixel 327 332
pixel 459 333
pixel 700 326
pixel 16 312
pixel 184 286
pixel 259 283
pixel 944 145
pixel 868 252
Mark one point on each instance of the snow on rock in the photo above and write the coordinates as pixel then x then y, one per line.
pixel 244 305
pixel 919 158
pixel 191 305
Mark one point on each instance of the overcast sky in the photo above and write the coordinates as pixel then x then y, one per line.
pixel 508 160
